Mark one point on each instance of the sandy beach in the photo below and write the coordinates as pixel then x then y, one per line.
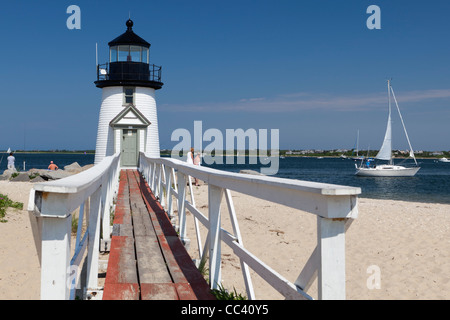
pixel 19 264
pixel 408 242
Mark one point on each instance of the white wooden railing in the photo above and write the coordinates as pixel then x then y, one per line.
pixel 335 207
pixel 51 206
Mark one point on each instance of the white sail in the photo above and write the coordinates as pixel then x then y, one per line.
pixel 9 150
pixel 385 152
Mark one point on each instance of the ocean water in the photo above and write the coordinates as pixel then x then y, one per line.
pixel 42 160
pixel 431 183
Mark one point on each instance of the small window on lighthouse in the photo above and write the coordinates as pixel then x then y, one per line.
pixel 128 94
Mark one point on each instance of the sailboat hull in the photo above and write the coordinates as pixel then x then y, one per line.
pixel 387 171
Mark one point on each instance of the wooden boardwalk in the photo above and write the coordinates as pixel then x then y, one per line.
pixel 147 260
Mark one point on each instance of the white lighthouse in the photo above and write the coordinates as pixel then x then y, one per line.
pixel 128 120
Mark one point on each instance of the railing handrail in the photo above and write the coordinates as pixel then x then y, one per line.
pixel 226 179
pixel 78 182
pixel 335 206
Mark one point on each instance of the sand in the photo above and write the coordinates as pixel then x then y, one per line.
pixel 19 264
pixel 407 242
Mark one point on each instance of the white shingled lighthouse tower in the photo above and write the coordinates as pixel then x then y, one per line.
pixel 128 120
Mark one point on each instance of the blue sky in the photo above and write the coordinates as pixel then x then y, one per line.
pixel 311 69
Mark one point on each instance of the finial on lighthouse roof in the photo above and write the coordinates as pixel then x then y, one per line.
pixel 129 24
pixel 129 37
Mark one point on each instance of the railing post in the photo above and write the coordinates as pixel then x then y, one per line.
pixel 169 200
pixel 153 176
pixel 182 180
pixel 105 216
pixel 55 258
pixel 237 233
pixel 94 238
pixel 175 186
pixel 214 199
pixel 331 246
pixel 162 180
pixel 158 181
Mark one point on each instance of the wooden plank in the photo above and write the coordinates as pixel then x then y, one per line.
pixel 158 291
pixel 145 247
pixel 122 213
pixel 151 265
pixel 183 269
pixel 122 263
pixel 121 281
pixel 142 224
pixel 161 220
pixel 122 230
pixel 189 282
pixel 122 216
pixel 121 291
pixel 185 292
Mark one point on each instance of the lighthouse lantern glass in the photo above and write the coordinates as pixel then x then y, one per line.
pixel 127 53
pixel 124 52
pixel 144 55
pixel 135 53
pixel 113 54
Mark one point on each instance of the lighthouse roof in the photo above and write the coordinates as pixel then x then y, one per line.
pixel 129 38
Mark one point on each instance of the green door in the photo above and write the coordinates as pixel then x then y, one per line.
pixel 129 156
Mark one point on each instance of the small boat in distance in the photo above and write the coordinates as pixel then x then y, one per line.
pixel 444 160
pixel 366 168
pixel 357 157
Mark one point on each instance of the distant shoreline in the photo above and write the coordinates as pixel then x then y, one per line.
pixel 165 153
pixel 336 157
pixel 53 152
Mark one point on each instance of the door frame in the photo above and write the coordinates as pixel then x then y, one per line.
pixel 121 137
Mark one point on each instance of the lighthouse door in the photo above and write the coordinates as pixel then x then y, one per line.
pixel 129 157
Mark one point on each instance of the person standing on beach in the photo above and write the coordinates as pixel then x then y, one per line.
pixel 190 156
pixel 197 162
pixel 190 160
pixel 52 166
pixel 11 160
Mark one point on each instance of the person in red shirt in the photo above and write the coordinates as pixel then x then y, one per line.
pixel 52 166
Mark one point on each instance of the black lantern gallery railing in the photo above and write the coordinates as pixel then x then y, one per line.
pixel 129 71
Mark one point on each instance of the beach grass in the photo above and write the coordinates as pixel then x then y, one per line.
pixel 5 203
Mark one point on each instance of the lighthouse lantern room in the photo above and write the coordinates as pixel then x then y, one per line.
pixel 128 118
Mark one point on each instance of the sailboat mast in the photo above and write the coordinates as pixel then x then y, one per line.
pixel 389 119
pixel 357 144
pixel 385 152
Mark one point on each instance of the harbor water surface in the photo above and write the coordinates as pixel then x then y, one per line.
pixel 431 183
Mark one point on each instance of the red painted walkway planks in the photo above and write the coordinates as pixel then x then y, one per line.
pixel 147 259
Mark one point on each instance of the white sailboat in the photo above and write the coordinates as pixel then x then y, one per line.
pixel 385 153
